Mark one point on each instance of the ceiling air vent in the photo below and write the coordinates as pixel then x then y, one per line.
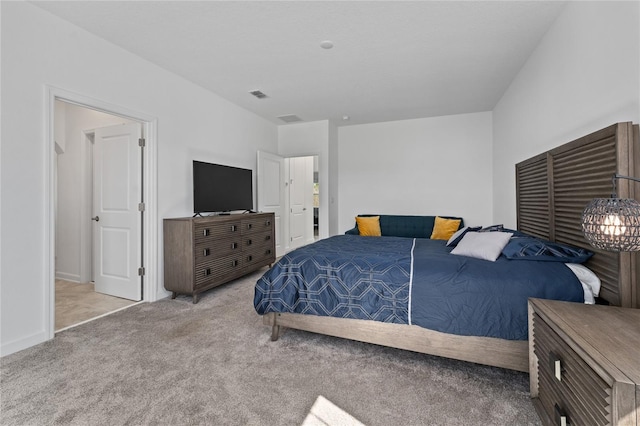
pixel 291 118
pixel 258 94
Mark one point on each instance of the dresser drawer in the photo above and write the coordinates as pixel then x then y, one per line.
pixel 259 254
pixel 215 270
pixel 568 387
pixel 210 248
pixel 256 224
pixel 208 231
pixel 256 239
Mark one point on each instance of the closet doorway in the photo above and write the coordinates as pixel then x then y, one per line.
pixel 98 222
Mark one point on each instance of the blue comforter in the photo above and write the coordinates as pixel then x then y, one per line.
pixel 412 281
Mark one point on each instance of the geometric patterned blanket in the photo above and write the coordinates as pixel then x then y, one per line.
pixel 341 282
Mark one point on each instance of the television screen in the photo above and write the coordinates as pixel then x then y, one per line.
pixel 219 188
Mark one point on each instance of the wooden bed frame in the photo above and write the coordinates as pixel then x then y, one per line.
pixel 552 190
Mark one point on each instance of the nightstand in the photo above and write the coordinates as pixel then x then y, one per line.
pixel 584 363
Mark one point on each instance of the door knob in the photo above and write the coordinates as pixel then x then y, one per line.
pixel 97 218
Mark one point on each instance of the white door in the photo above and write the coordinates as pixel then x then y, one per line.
pixel 270 184
pixel 117 220
pixel 300 201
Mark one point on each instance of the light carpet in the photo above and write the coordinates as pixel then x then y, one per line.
pixel 175 363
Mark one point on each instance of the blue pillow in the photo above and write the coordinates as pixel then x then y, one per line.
pixel 531 248
pixel 457 237
pixel 493 228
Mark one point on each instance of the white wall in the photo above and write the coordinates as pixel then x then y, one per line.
pixel 430 166
pixel 39 49
pixel 582 77
pixel 73 185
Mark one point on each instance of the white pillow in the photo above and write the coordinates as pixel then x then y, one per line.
pixel 590 281
pixel 482 245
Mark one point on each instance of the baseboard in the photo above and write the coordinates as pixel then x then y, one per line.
pixel 23 343
pixel 75 278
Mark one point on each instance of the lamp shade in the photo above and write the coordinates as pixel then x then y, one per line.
pixel 612 224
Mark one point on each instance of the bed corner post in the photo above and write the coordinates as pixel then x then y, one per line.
pixel 270 319
pixel 275 332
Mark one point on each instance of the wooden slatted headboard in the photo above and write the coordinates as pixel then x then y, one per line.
pixel 553 188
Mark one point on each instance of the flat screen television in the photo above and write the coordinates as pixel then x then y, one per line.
pixel 220 189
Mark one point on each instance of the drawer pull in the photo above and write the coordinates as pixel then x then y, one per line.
pixel 249 225
pixel 555 362
pixel 234 263
pixel 206 232
pixel 234 246
pixel 249 258
pixel 267 223
pixel 234 228
pixel 561 417
pixel 249 242
pixel 268 251
pixel 206 252
pixel 207 272
pixel 267 238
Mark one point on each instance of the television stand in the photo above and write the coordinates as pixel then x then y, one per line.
pixel 204 252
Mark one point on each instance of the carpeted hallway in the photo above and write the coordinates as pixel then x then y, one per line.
pixel 175 363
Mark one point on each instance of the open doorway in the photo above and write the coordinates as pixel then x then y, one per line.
pixel 289 187
pixel 299 177
pixel 316 199
pixel 98 223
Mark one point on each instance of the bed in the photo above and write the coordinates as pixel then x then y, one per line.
pixel 472 325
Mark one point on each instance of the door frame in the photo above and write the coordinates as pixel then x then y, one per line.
pixel 149 188
pixel 86 234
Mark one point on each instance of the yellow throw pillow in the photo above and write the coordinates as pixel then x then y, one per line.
pixel 443 229
pixel 369 226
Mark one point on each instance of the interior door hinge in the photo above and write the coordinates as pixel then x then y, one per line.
pixel 142 142
pixel 141 271
pixel 140 207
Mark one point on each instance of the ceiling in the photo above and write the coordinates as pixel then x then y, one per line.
pixel 390 60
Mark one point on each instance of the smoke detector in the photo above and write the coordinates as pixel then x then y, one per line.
pixel 327 44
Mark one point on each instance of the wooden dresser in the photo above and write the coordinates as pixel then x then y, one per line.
pixel 584 363
pixel 203 252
